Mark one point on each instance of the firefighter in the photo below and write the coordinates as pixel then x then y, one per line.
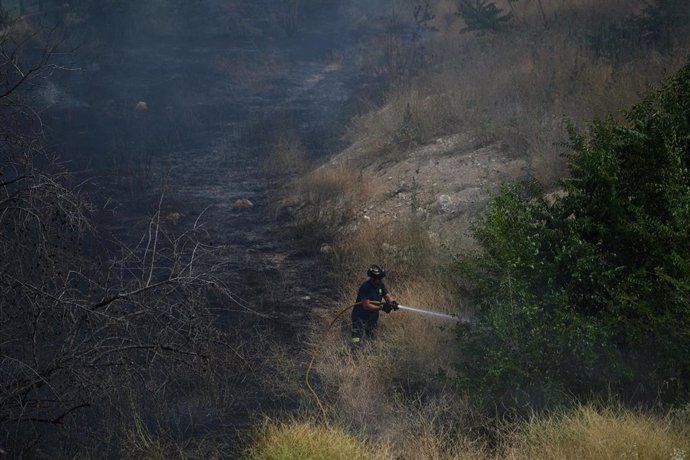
pixel 372 297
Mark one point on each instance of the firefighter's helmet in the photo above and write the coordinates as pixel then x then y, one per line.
pixel 376 271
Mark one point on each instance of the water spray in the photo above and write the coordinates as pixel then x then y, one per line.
pixel 430 313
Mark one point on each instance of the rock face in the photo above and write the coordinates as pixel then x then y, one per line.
pixel 445 182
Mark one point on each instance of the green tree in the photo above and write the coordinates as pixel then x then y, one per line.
pixel 590 292
pixel 482 16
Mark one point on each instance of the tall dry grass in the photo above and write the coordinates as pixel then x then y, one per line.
pixel 385 388
pixel 423 431
pixel 324 201
pixel 404 245
pixel 286 159
pixel 590 432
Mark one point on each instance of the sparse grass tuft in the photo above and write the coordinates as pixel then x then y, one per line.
pixel 142 443
pixel 287 158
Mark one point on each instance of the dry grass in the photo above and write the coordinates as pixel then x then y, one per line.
pixel 520 86
pixel 436 429
pixel 287 158
pixel 364 388
pixel 324 201
pixel 428 430
pixel 405 246
pixel 141 443
pixel 309 441
pixel 371 388
pixel 386 391
pixel 599 433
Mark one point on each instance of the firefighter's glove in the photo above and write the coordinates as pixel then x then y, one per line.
pixel 394 304
pixel 386 307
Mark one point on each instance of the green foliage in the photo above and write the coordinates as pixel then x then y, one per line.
pixel 482 16
pixel 591 292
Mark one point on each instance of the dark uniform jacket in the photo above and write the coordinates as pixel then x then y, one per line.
pixel 373 292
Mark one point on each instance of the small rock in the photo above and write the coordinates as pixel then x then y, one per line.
pixel 390 248
pixel 173 217
pixel 445 203
pixel 242 203
pixel 141 106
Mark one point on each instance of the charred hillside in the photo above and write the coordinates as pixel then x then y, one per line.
pixel 163 290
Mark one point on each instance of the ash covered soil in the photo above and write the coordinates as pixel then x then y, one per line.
pixel 189 104
pixel 191 101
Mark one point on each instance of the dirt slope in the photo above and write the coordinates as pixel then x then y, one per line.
pixel 445 182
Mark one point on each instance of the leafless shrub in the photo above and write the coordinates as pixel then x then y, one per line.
pixel 74 328
pixel 90 327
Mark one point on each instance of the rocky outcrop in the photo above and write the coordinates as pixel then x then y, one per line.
pixel 446 182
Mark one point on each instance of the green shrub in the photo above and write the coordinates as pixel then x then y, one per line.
pixel 591 293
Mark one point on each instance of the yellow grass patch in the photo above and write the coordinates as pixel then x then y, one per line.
pixel 308 441
pixel 595 433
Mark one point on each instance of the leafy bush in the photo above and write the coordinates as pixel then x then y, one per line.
pixel 589 292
